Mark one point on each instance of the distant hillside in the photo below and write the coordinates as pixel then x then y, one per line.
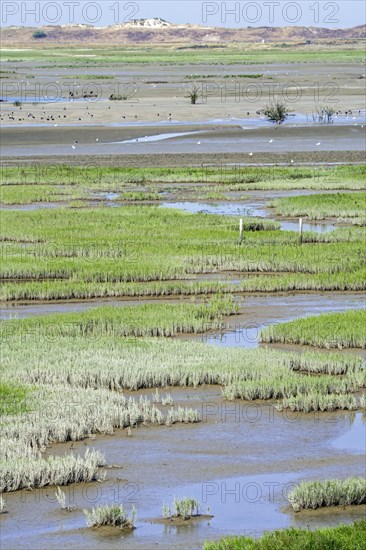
pixel 158 31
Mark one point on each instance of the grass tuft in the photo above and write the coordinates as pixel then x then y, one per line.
pixel 332 492
pixel 184 508
pixel 113 516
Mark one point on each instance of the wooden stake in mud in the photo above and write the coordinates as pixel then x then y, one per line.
pixel 241 230
pixel 300 230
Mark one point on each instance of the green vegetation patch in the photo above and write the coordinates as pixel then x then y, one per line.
pixel 319 207
pixel 12 398
pixel 342 537
pixel 27 194
pixel 150 251
pixel 261 177
pixel 71 289
pixel 145 320
pixel 331 330
pixel 102 361
pixel 243 54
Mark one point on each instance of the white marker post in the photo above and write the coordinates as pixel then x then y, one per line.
pixel 241 230
pixel 300 230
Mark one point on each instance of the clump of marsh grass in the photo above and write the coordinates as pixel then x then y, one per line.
pixel 322 206
pixel 332 492
pixel 329 363
pixel 167 400
pixel 318 402
pixel 164 401
pixel 184 508
pixel 166 511
pixel 61 499
pixel 182 414
pixel 156 396
pixel 113 516
pixel 329 330
pixel 282 386
pixel 26 473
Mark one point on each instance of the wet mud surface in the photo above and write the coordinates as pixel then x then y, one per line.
pixel 240 462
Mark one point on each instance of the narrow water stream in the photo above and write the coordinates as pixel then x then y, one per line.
pixel 246 209
pixel 257 311
pixel 253 207
pixel 261 311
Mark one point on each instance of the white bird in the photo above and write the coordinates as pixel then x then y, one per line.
pixel 270 141
pixel 292 161
pixel 73 146
pixel 319 142
pixel 97 139
pixel 250 154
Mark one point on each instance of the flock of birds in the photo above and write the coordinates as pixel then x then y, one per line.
pixel 53 118
pixel 46 117
pixel 49 117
